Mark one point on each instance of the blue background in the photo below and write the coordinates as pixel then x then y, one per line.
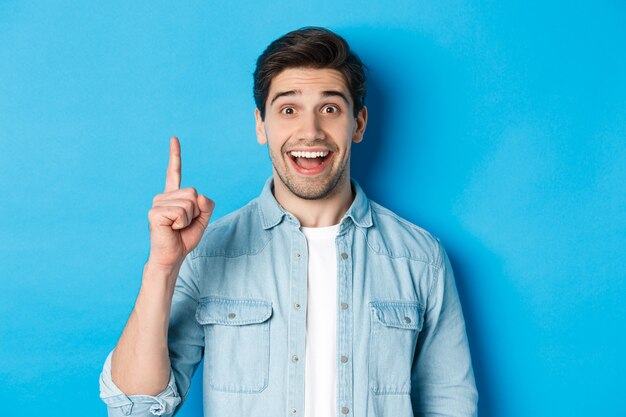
pixel 499 126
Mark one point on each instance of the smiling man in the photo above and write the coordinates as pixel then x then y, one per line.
pixel 309 123
pixel 309 301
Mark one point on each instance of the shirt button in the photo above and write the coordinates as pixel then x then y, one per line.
pixel 295 358
pixel 344 306
pixel 344 359
pixel 296 306
pixel 407 319
pixel 297 255
pixel 293 411
pixel 232 315
pixel 344 256
pixel 344 410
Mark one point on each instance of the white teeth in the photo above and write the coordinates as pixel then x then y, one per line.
pixel 301 154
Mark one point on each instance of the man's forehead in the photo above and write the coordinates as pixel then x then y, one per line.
pixel 308 80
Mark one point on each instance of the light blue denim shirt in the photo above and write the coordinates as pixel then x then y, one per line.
pixel 241 301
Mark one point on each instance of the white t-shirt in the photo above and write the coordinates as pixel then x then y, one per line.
pixel 321 323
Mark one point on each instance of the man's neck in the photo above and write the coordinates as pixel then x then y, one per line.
pixel 322 212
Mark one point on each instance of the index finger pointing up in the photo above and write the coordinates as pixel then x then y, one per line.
pixel 172 179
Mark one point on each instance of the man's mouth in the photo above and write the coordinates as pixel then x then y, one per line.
pixel 310 163
pixel 308 160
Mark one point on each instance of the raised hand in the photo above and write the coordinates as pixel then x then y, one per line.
pixel 178 217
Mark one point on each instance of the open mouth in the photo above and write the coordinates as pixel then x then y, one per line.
pixel 310 162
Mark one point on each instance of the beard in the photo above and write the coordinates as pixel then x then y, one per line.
pixel 310 188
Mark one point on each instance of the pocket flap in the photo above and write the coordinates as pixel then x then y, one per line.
pixel 234 312
pixel 400 314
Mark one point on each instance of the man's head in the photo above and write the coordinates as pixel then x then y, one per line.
pixel 310 47
pixel 310 92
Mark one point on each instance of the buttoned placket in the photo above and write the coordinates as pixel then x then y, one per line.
pixel 297 320
pixel 344 318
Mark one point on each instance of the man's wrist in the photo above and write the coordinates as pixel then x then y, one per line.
pixel 156 274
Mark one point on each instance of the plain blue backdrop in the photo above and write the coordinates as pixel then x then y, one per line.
pixel 499 126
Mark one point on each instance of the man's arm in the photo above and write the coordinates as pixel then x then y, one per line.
pixel 140 363
pixel 442 378
pixel 185 346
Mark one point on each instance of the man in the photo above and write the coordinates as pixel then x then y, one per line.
pixel 309 301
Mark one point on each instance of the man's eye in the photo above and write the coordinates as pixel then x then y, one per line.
pixel 288 110
pixel 330 109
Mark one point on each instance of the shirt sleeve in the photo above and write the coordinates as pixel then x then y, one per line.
pixel 186 347
pixel 119 404
pixel 442 378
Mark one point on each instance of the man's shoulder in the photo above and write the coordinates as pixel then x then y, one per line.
pixel 396 237
pixel 237 233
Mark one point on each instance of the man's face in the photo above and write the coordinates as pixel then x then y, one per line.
pixel 309 127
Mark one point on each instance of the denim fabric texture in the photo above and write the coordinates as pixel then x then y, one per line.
pixel 240 301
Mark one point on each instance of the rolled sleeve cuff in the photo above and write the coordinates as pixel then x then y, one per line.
pixel 119 404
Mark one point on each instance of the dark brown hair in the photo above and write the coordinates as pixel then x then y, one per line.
pixel 309 47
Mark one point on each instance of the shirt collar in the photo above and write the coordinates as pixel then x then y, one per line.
pixel 272 213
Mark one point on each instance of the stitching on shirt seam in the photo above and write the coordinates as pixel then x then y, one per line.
pixel 196 278
pixel 436 275
pixel 433 264
pixel 266 306
pixel 390 256
pixel 225 255
pixel 398 303
pixel 385 211
pixel 432 286
pixel 223 300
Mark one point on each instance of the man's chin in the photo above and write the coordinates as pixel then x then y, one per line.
pixel 312 188
pixel 309 192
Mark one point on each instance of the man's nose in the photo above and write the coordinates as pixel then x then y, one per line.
pixel 311 127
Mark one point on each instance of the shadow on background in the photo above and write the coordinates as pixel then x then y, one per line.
pixel 409 142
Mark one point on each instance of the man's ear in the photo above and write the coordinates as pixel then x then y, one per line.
pixel 361 122
pixel 260 128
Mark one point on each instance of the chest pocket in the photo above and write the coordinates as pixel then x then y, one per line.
pixel 395 326
pixel 237 343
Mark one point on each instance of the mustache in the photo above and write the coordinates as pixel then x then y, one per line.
pixel 306 143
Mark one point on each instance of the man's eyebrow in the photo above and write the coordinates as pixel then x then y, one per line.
pixel 334 93
pixel 284 94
